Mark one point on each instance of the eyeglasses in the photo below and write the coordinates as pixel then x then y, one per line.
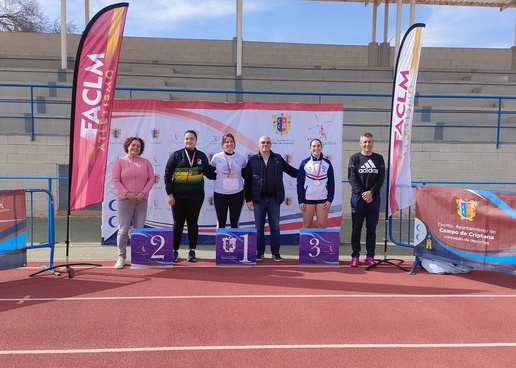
pixel 265 142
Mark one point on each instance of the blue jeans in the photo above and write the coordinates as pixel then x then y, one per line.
pixel 267 207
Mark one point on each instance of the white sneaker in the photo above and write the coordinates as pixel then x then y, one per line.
pixel 120 263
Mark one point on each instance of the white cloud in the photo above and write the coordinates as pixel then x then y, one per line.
pixel 300 21
pixel 469 27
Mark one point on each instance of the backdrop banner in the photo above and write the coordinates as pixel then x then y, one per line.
pixel 468 227
pixel 161 124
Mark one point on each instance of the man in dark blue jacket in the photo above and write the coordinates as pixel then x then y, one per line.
pixel 264 193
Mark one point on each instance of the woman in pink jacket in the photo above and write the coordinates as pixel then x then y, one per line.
pixel 133 178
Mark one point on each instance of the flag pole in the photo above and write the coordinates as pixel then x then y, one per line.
pixel 406 118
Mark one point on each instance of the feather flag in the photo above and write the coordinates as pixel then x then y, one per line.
pixel 93 94
pixel 400 192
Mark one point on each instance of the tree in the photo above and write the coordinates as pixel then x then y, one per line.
pixel 28 16
pixel 22 16
pixel 55 27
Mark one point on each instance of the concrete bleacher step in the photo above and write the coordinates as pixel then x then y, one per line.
pixel 152 70
pixel 495 90
pixel 508 104
pixel 124 81
pixel 487 78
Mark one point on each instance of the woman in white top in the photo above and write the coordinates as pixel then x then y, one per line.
pixel 229 185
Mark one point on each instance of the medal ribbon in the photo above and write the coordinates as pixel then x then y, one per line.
pixel 229 166
pixel 190 162
pixel 318 172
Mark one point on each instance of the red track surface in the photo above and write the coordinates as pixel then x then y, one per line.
pixel 271 315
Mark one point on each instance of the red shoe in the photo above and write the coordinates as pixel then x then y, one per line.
pixel 354 262
pixel 369 261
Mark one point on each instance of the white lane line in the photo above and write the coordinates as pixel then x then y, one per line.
pixel 300 296
pixel 261 347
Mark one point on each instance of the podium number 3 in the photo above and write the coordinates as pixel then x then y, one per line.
pixel 314 242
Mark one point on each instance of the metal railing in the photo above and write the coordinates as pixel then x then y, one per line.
pixel 466 115
pixel 400 225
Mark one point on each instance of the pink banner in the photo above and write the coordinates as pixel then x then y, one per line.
pixel 93 95
pixel 401 194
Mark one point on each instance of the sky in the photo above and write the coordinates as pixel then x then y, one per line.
pixel 299 21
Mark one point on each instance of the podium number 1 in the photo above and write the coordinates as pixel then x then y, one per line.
pixel 246 248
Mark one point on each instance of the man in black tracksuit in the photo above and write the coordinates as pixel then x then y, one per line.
pixel 366 173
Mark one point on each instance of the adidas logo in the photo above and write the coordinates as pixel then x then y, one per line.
pixel 368 168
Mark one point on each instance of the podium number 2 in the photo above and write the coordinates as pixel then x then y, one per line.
pixel 155 240
pixel 314 242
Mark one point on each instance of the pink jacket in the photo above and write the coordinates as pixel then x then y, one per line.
pixel 132 174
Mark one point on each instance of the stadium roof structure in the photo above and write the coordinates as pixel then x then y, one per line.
pixel 502 4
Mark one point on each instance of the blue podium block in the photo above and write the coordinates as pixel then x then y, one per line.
pixel 235 247
pixel 152 248
pixel 319 247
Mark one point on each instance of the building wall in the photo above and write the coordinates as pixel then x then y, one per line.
pixel 170 51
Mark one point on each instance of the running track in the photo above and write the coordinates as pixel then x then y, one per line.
pixel 270 315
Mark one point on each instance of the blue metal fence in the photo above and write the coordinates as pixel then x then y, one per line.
pixel 399 226
pixel 458 112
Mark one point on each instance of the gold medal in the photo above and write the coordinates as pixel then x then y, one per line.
pixel 230 175
pixel 190 171
pixel 317 182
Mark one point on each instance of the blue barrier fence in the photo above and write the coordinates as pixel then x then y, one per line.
pixel 399 226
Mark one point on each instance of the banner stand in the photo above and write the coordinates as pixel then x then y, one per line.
pixel 56 270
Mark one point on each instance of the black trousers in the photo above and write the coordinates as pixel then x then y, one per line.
pixel 234 203
pixel 370 212
pixel 189 210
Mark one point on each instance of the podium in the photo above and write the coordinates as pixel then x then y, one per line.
pixel 319 247
pixel 235 247
pixel 152 248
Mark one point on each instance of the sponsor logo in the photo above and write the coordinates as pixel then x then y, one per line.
pixel 289 157
pixel 116 133
pixel 229 244
pixel 281 123
pixel 155 133
pixel 368 168
pixel 210 201
pixel 157 178
pixel 466 209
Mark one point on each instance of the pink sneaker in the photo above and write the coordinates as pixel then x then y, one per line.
pixel 354 262
pixel 369 261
